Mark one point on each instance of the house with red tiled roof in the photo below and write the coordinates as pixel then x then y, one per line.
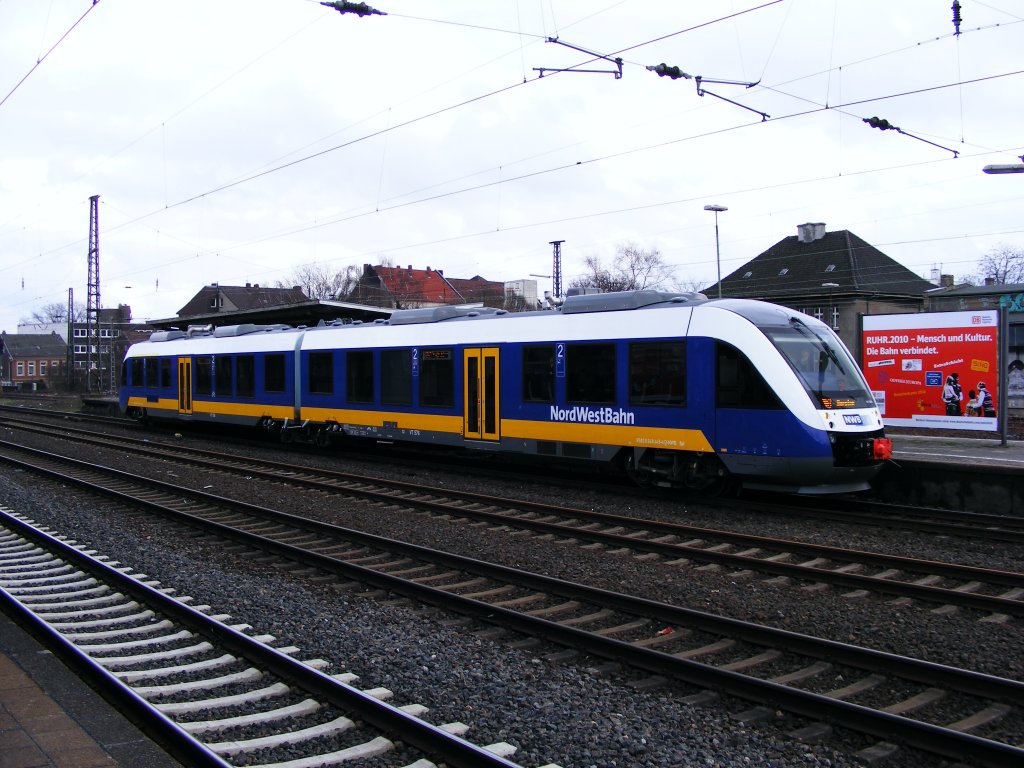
pixel 408 288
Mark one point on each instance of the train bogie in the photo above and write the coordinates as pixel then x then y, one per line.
pixel 674 390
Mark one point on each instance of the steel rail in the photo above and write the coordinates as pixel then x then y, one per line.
pixel 429 738
pixel 928 737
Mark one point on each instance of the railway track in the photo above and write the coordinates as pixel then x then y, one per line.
pixel 211 692
pixel 940 709
pixel 843 509
pixel 943 586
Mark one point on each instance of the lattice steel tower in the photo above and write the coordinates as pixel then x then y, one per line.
pixel 556 269
pixel 92 310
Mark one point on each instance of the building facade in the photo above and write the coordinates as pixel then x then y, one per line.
pixel 31 361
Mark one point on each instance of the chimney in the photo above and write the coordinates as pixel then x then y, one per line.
pixel 990 281
pixel 808 233
pixel 946 281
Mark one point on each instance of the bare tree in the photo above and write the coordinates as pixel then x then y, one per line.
pixel 318 282
pixel 1004 264
pixel 56 312
pixel 632 269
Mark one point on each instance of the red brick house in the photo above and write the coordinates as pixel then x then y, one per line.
pixel 31 361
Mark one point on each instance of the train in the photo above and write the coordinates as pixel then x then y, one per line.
pixel 668 389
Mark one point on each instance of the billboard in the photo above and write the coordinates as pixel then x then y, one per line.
pixel 935 370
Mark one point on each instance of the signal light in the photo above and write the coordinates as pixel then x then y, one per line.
pixel 882 448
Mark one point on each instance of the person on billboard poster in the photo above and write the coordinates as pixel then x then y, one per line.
pixel 953 395
pixel 973 404
pixel 985 401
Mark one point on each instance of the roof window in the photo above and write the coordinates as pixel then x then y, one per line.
pixel 830 268
pixel 783 271
pixel 747 274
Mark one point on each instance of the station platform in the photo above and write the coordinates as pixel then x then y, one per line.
pixel 971 474
pixel 49 718
pixel 953 450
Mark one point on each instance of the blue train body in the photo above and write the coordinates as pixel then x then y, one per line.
pixel 672 389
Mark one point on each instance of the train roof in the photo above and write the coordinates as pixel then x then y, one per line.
pixel 578 313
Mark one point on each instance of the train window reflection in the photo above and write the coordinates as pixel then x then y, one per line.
pixel 738 384
pixel 437 378
pixel 321 372
pixel 273 373
pixel 245 375
pixel 590 373
pixel 396 377
pixel 359 376
pixel 657 373
pixel 539 374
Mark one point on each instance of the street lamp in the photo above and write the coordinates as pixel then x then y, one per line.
pixel 831 306
pixel 718 254
pixel 1013 168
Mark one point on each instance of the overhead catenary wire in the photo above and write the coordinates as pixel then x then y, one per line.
pixel 52 49
pixel 513 178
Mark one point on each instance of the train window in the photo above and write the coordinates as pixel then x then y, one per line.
pixel 245 375
pixel 321 372
pixel 202 368
pixel 590 373
pixel 152 372
pixel 359 376
pixel 437 378
pixel 738 384
pixel 396 376
pixel 222 376
pixel 539 374
pixel 138 366
pixel 657 373
pixel 273 373
pixel 165 373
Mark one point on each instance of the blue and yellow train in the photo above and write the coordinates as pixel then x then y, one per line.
pixel 672 389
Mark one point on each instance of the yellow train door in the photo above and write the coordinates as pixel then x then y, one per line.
pixel 184 385
pixel 480 394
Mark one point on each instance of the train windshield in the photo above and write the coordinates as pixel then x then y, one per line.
pixel 823 364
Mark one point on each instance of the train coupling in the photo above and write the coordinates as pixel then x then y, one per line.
pixel 881 448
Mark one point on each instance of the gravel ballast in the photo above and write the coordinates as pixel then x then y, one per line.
pixel 566 713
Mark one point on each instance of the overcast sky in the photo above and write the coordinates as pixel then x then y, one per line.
pixel 231 141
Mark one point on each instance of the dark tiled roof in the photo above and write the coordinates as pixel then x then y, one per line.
pixel 240 298
pixel 792 268
pixel 30 345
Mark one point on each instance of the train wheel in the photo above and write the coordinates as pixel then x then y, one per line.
pixel 706 474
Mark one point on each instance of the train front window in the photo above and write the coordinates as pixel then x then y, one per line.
pixel 823 364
